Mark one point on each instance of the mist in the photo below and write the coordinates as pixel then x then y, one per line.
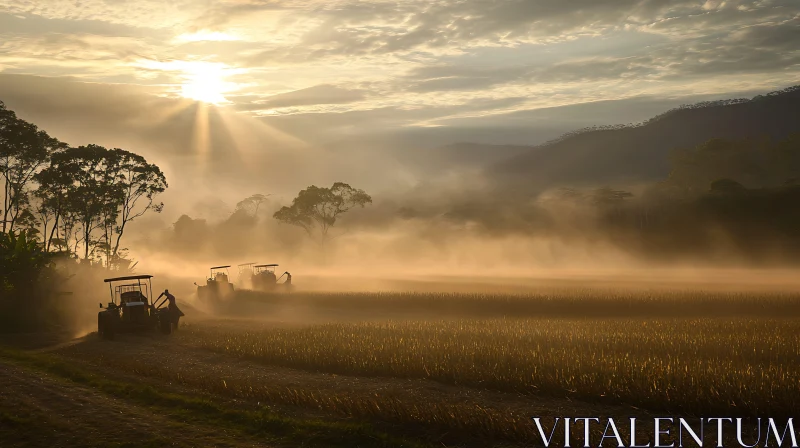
pixel 436 212
pixel 464 233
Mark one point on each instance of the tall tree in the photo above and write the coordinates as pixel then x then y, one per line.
pixel 94 195
pixel 316 209
pixel 252 203
pixel 54 187
pixel 24 149
pixel 141 183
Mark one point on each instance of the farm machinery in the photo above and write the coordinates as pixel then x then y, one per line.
pixel 245 274
pixel 217 285
pixel 131 309
pixel 263 278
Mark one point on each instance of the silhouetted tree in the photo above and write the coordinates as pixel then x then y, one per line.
pixel 726 186
pixel 53 195
pixel 94 196
pixel 24 149
pixel 251 204
pixel 316 209
pixel 141 182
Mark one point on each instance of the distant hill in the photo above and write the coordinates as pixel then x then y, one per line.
pixel 632 153
pixel 458 156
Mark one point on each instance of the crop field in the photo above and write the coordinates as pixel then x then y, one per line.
pixel 696 366
pixel 436 369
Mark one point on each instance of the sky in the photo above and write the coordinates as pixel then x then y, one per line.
pixel 185 77
pixel 412 63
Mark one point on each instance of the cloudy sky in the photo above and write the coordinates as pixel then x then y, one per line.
pixel 418 63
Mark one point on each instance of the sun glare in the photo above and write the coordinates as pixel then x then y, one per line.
pixel 206 81
pixel 199 80
pixel 206 86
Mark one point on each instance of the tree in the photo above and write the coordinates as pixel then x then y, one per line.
pixel 726 187
pixel 744 161
pixel 21 259
pixel 55 185
pixel 316 209
pixel 24 149
pixel 141 182
pixel 251 204
pixel 94 195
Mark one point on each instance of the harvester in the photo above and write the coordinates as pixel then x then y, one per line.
pixel 245 273
pixel 264 278
pixel 217 285
pixel 131 310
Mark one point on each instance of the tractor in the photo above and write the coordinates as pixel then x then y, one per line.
pixel 245 274
pixel 130 309
pixel 217 285
pixel 264 278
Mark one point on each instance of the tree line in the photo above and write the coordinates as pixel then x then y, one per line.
pixel 723 200
pixel 74 200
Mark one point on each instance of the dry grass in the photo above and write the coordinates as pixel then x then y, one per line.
pixel 682 365
pixel 544 302
pixel 682 352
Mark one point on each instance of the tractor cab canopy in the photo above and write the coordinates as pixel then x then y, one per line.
pixel 130 294
pixel 245 268
pixel 219 273
pixel 265 268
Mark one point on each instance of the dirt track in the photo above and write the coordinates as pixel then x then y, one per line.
pixel 42 410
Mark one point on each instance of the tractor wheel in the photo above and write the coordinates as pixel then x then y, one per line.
pixel 106 327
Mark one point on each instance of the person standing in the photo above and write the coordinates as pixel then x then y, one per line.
pixel 175 313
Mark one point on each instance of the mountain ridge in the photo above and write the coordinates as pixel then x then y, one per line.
pixel 614 153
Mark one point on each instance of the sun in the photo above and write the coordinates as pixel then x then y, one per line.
pixel 204 87
pixel 203 81
pixel 206 82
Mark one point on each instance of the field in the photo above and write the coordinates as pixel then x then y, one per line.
pixel 425 369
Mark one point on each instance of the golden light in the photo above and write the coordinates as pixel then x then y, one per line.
pixel 204 35
pixel 206 81
pixel 206 85
pixel 200 80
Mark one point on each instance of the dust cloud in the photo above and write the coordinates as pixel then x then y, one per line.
pixel 465 236
pixel 451 227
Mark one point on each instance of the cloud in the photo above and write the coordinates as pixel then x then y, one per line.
pixel 31 24
pixel 154 14
pixel 322 94
pixel 378 65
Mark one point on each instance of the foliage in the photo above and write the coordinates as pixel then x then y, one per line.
pixel 318 208
pixel 21 260
pixel 56 199
pixel 24 149
pixel 73 196
pixel 752 163
pixel 251 204
pixel 140 182
pixel 661 117
pixel 727 186
pixel 27 282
